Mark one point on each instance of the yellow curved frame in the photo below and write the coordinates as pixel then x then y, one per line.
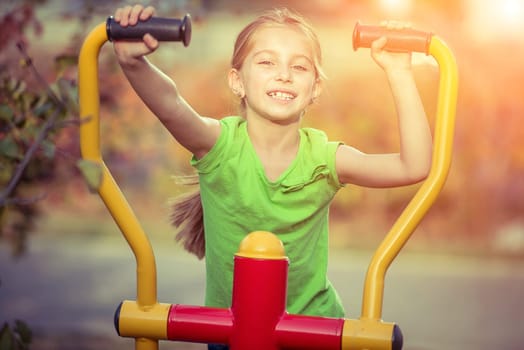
pixel 109 191
pixel 427 193
pixel 369 330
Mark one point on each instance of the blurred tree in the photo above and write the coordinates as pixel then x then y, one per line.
pixel 34 112
pixel 17 337
pixel 39 111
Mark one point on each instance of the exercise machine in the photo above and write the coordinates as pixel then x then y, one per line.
pixel 257 318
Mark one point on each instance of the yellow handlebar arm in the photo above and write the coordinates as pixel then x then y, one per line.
pixel 429 190
pixel 108 189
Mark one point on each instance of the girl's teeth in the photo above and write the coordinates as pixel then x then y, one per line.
pixel 281 95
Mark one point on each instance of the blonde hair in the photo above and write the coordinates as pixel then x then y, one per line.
pixel 187 213
pixel 188 217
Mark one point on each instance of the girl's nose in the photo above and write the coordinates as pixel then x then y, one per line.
pixel 284 74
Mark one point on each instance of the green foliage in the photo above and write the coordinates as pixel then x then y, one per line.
pixel 30 122
pixel 34 112
pixel 17 337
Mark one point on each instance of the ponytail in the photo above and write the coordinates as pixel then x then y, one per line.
pixel 187 217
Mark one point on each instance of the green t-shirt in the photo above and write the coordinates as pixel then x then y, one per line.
pixel 237 199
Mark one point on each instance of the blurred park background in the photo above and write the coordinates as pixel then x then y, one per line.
pixel 64 265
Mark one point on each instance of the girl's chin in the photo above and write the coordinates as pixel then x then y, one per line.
pixel 278 112
pixel 283 119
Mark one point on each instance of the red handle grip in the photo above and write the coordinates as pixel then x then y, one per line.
pixel 398 39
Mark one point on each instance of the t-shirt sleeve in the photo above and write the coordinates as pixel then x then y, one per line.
pixel 324 152
pixel 212 159
pixel 332 148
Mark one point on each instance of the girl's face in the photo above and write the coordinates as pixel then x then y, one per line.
pixel 278 78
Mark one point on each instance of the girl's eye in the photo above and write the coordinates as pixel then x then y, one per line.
pixel 300 68
pixel 265 63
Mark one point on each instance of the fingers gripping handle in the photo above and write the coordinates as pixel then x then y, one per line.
pixel 397 39
pixel 163 29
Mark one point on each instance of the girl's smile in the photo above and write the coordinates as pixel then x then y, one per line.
pixel 282 95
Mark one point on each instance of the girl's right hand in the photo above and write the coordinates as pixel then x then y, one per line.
pixel 128 52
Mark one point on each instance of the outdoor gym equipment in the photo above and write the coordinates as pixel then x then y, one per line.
pixel 257 319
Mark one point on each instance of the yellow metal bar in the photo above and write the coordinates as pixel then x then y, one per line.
pixel 108 190
pixel 367 334
pixel 89 94
pixel 149 322
pixel 427 193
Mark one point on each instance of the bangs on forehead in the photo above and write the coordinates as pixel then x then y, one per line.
pixel 277 17
pixel 253 39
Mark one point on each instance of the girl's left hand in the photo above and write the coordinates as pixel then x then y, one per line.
pixel 389 60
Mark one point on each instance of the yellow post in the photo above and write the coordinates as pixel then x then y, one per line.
pixel 427 193
pixel 108 190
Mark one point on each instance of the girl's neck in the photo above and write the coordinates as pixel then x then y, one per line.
pixel 276 145
pixel 272 136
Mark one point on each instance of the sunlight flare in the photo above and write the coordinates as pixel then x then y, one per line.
pixel 493 20
pixel 397 8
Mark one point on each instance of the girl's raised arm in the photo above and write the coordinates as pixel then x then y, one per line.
pixel 413 162
pixel 196 133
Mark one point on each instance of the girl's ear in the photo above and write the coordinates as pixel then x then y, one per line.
pixel 317 89
pixel 235 83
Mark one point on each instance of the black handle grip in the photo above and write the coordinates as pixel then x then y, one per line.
pixel 398 39
pixel 163 29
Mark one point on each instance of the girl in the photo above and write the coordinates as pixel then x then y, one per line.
pixel 261 170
